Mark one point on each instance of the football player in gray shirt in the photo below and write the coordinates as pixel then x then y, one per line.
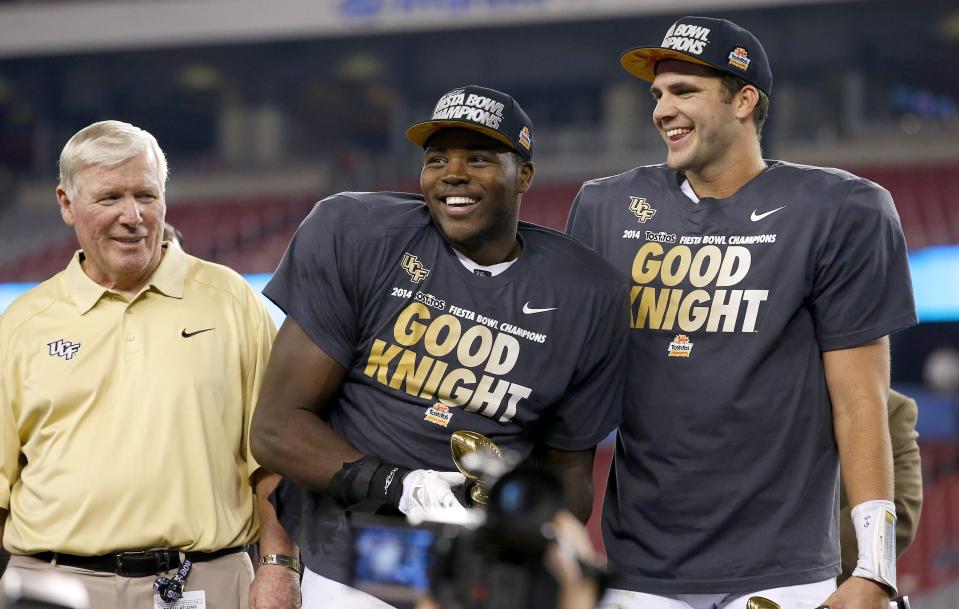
pixel 411 317
pixel 762 296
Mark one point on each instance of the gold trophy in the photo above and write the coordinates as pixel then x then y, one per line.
pixel 463 443
pixel 759 602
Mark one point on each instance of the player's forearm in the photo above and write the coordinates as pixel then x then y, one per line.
pixel 865 456
pixel 300 446
pixel 575 472
pixel 289 434
pixel 858 380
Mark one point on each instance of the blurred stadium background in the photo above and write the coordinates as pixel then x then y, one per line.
pixel 265 107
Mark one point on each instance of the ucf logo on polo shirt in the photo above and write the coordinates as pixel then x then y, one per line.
pixel 63 348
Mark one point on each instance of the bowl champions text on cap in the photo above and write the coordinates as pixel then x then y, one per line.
pixel 487 111
pixel 717 43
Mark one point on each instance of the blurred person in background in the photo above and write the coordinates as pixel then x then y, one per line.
pixel 410 317
pixel 173 235
pixel 763 293
pixel 127 383
pixel 940 371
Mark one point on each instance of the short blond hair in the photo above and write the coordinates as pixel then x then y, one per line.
pixel 107 143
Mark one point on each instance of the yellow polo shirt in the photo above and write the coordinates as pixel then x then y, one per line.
pixel 124 425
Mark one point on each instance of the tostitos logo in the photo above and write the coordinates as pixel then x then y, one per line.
pixel 739 58
pixel 524 138
pixel 414 268
pixel 438 414
pixel 680 347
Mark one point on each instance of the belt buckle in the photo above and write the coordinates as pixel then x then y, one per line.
pixel 160 558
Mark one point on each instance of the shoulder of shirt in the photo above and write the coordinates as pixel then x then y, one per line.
pixel 628 176
pixel 829 176
pixel 369 209
pixel 567 256
pixel 33 302
pixel 219 278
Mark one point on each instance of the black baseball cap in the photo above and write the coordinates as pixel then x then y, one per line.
pixel 717 43
pixel 488 111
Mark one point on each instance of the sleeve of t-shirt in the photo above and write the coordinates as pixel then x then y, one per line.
pixel 592 405
pixel 862 289
pixel 314 284
pixel 578 223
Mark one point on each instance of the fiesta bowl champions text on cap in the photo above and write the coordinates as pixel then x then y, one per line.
pixel 717 43
pixel 487 111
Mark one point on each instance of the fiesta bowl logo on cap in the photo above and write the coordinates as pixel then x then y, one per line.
pixel 686 38
pixel 739 58
pixel 524 138
pixel 479 109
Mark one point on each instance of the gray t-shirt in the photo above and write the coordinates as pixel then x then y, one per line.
pixel 531 356
pixel 726 468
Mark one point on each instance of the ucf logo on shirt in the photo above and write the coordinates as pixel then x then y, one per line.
pixel 641 209
pixel 414 268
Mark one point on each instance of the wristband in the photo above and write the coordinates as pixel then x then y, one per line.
pixel 875 526
pixel 367 484
pixel 290 562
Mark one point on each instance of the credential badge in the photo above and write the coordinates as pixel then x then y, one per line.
pixel 643 210
pixel 414 268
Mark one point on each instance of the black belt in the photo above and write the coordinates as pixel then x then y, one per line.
pixel 134 564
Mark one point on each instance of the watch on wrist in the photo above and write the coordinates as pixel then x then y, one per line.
pixel 290 562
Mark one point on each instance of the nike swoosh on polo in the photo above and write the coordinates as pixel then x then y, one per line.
pixel 530 310
pixel 757 217
pixel 186 334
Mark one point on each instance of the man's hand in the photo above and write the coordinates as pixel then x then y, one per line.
pixel 565 558
pixel 275 587
pixel 858 593
pixel 428 495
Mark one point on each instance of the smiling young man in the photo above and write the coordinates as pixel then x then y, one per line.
pixel 762 295
pixel 410 317
pixel 127 383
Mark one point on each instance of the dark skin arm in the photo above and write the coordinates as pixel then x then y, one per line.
pixel 575 471
pixel 288 435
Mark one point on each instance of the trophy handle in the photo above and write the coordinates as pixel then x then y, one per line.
pixel 463 443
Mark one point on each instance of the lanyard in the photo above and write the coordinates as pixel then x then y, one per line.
pixel 171 589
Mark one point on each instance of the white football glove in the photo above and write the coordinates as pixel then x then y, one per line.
pixel 428 495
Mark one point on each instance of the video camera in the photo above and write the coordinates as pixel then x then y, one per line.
pixel 497 564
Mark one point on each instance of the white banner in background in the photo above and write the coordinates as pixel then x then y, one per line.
pixel 54 28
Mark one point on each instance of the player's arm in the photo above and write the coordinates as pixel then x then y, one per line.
pixel 574 469
pixel 858 382
pixel 289 434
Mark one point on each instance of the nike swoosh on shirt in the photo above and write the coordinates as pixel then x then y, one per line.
pixel 529 310
pixel 757 217
pixel 186 334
